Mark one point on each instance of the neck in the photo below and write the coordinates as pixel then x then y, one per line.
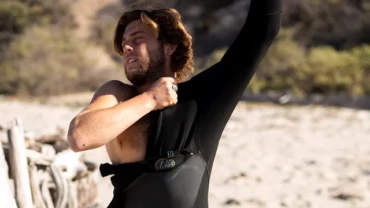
pixel 144 87
pixel 167 73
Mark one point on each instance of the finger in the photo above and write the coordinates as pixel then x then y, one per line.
pixel 170 87
pixel 174 98
pixel 174 94
pixel 171 80
pixel 173 101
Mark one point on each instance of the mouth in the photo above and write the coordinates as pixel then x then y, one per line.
pixel 131 60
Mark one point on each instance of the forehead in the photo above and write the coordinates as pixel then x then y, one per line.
pixel 137 26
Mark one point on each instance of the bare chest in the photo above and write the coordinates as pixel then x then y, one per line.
pixel 130 145
pixel 136 136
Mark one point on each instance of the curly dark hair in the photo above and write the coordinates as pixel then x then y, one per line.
pixel 169 29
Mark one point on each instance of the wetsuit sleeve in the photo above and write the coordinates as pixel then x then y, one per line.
pixel 219 88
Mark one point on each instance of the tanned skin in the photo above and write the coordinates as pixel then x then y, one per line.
pixel 119 114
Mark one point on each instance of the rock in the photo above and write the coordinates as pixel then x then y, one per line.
pixel 257 202
pixel 90 165
pixel 70 163
pixel 48 150
pixel 232 202
pixel 346 192
pixel 311 162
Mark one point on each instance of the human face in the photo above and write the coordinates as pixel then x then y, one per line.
pixel 143 56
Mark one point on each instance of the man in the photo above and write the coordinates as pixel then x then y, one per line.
pixel 162 142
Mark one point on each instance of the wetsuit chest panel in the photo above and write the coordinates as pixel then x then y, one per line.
pixel 173 131
pixel 177 188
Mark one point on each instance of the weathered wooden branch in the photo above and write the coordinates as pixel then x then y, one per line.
pixel 39 158
pixel 35 187
pixel 19 167
pixel 5 192
pixel 46 175
pixel 48 150
pixel 62 187
pixel 72 197
pixel 46 194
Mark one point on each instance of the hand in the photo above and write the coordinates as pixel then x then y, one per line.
pixel 163 93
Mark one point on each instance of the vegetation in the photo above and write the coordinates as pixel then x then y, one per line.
pixel 39 56
pixel 321 70
pixel 323 47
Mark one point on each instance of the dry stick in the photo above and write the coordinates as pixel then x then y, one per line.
pixel 72 197
pixel 38 158
pixel 19 167
pixel 35 186
pixel 46 194
pixel 62 186
pixel 5 193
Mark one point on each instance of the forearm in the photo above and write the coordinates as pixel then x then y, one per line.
pixel 96 128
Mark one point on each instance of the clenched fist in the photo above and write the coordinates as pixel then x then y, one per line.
pixel 163 92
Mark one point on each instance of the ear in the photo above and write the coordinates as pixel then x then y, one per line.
pixel 169 48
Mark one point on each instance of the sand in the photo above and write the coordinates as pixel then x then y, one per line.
pixel 269 156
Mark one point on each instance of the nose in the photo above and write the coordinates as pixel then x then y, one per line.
pixel 127 49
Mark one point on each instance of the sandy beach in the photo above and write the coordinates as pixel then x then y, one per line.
pixel 269 156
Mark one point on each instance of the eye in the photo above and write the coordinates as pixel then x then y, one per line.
pixel 138 40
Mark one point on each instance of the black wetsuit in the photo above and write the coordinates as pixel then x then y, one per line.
pixel 186 136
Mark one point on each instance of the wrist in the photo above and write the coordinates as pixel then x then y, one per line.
pixel 149 100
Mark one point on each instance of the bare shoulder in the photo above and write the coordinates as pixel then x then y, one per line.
pixel 114 89
pixel 110 94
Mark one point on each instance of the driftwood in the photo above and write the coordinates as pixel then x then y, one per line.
pixel 36 191
pixel 5 192
pixel 72 196
pixel 45 172
pixel 19 167
pixel 46 194
pixel 38 158
pixel 62 187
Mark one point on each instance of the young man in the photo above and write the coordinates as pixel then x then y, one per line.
pixel 162 142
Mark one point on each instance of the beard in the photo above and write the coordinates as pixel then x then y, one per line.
pixel 150 69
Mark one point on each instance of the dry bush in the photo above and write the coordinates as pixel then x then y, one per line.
pixel 104 26
pixel 288 66
pixel 49 61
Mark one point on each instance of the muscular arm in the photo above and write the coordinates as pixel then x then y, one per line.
pixel 110 112
pixel 219 88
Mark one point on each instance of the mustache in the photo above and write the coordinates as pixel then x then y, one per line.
pixel 124 58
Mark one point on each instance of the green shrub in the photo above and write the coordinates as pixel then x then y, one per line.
pixel 283 68
pixel 362 53
pixel 47 61
pixel 104 26
pixel 334 71
pixel 50 12
pixel 287 66
pixel 14 16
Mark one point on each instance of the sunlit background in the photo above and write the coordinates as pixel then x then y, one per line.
pixel 278 151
